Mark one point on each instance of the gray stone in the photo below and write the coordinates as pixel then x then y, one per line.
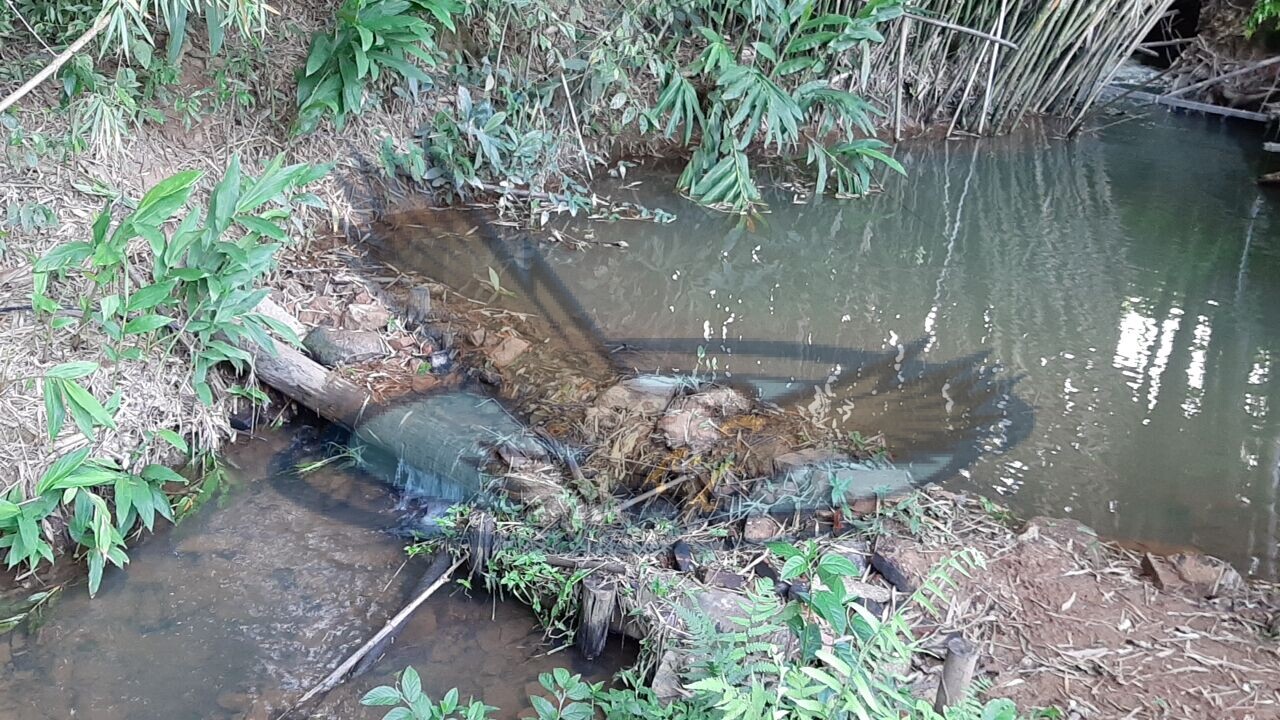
pixel 666 679
pixel 647 394
pixel 332 347
pixel 759 528
pixel 366 317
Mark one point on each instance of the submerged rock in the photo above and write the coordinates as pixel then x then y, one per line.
pixel 693 421
pixel 332 347
pixel 818 479
pixel 647 394
pixel 508 351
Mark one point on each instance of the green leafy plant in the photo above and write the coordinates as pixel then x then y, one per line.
pixel 369 38
pixel 203 272
pixel 776 90
pixel 408 702
pixel 200 292
pixel 1264 12
pixel 570 697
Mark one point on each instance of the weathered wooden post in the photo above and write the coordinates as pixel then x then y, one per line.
pixel 957 672
pixel 481 536
pixel 599 597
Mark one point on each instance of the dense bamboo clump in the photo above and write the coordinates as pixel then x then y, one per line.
pixel 1063 52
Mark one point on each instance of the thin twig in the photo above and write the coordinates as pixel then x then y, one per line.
pixel 57 62
pixel 341 671
pixel 960 28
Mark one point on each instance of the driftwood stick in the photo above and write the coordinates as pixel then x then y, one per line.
pixel 656 491
pixel 957 672
pixel 960 28
pixel 439 565
pixel 56 63
pixel 593 565
pixel 568 99
pixel 401 617
pixel 599 596
pixel 1215 80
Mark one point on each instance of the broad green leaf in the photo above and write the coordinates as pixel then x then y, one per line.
pixel 174 439
pixel 260 226
pixel 226 195
pixel 161 474
pixel 382 695
pixel 63 256
pixel 163 200
pixel 72 370
pixel 60 469
pixel 54 408
pixel 410 684
pixel 151 295
pixel 145 324
pixel 80 398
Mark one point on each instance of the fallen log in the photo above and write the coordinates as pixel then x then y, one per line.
pixel 306 381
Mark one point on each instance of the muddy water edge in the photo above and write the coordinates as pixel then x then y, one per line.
pixel 238 609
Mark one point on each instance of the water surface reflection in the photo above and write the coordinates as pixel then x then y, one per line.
pixel 1128 281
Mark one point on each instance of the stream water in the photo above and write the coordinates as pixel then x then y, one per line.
pixel 1085 328
pixel 241 608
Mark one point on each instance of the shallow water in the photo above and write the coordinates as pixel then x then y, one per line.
pixel 1085 328
pixel 241 608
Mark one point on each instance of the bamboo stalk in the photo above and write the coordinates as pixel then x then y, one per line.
pixel 905 28
pixel 962 29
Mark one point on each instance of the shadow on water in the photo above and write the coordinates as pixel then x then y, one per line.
pixel 941 416
pixel 1128 281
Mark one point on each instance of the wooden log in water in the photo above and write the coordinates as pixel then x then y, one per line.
pixel 482 537
pixel 957 673
pixel 305 380
pixel 599 598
